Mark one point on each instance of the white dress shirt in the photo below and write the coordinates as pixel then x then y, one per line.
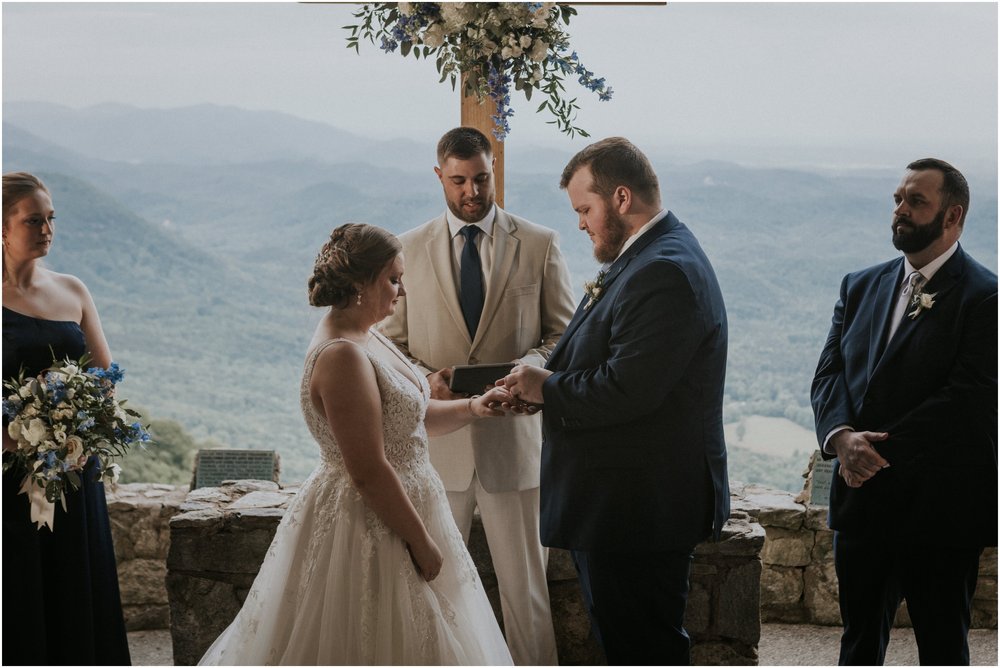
pixel 642 230
pixel 484 243
pixel 927 271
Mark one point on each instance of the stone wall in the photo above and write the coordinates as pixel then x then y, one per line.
pixel 798 584
pixel 140 526
pixel 219 539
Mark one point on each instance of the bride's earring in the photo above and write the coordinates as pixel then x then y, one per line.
pixel 359 299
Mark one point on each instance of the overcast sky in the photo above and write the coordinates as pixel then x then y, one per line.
pixel 881 82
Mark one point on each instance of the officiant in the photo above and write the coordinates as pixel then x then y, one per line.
pixel 486 286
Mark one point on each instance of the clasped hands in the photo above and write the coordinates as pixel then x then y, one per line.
pixel 522 389
pixel 859 461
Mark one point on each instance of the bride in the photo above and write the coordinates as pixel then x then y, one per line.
pixel 367 566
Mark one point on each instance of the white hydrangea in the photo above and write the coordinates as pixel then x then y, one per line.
pixel 434 35
pixel 539 51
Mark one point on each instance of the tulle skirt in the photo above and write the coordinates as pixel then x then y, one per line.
pixel 338 588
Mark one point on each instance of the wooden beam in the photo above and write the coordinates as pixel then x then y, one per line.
pixel 480 116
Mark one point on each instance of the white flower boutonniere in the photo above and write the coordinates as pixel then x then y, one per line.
pixel 919 301
pixel 594 289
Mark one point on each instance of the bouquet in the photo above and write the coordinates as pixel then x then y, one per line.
pixel 59 420
pixel 495 44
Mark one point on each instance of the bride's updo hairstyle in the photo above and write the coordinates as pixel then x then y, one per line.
pixel 354 255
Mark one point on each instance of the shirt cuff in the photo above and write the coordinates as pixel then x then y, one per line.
pixel 826 442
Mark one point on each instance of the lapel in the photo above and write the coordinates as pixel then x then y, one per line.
pixel 943 281
pixel 614 271
pixel 505 244
pixel 439 257
pixel 885 304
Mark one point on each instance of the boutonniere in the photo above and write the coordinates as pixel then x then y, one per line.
pixel 594 289
pixel 919 301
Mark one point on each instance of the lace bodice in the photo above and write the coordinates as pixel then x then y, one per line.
pixel 403 409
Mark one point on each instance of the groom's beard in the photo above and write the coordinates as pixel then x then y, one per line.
pixel 916 238
pixel 611 240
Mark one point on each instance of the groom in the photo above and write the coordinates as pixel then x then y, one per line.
pixel 905 397
pixel 633 456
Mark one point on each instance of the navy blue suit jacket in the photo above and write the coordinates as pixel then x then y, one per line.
pixel 633 453
pixel 933 388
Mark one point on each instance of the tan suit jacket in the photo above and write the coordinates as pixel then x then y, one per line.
pixel 528 303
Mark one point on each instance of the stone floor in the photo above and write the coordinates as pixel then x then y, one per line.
pixel 801 645
pixel 780 645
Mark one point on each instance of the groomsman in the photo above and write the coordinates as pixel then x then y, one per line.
pixel 633 457
pixel 486 286
pixel 905 398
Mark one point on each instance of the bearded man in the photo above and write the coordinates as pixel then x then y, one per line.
pixel 486 287
pixel 633 456
pixel 905 398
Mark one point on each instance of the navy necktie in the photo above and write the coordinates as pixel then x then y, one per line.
pixel 471 296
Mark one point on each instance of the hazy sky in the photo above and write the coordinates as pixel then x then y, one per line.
pixel 880 82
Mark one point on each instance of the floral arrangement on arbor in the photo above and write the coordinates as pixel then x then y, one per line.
pixel 495 44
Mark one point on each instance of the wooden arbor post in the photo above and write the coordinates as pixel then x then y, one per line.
pixel 479 116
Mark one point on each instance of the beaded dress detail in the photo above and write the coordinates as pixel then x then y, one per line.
pixel 337 587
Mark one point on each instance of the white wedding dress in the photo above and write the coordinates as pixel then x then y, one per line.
pixel 339 588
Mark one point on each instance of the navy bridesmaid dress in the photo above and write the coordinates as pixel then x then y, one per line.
pixel 61 603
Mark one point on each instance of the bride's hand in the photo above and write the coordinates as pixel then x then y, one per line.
pixel 427 558
pixel 507 404
pixel 491 404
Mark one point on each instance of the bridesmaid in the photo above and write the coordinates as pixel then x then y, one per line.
pixel 61 602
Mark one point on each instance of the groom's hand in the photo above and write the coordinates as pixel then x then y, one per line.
pixel 439 382
pixel 524 383
pixel 859 461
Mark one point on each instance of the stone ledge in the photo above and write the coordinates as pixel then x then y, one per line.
pixel 219 541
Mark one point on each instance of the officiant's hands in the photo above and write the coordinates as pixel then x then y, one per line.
pixel 440 382
pixel 524 382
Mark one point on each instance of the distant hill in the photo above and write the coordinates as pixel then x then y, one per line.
pixel 199 263
pixel 203 341
pixel 204 134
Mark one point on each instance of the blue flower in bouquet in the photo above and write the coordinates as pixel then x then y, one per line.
pixel 11 407
pixel 113 374
pixel 136 433
pixel 56 387
pixel 86 422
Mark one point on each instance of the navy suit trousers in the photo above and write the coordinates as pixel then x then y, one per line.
pixel 636 602
pixel 937 582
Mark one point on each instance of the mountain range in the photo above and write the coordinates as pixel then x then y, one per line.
pixel 196 230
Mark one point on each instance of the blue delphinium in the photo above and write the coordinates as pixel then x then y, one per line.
pixel 86 422
pixel 55 386
pixel 499 87
pixel 136 432
pixel 11 407
pixel 114 373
